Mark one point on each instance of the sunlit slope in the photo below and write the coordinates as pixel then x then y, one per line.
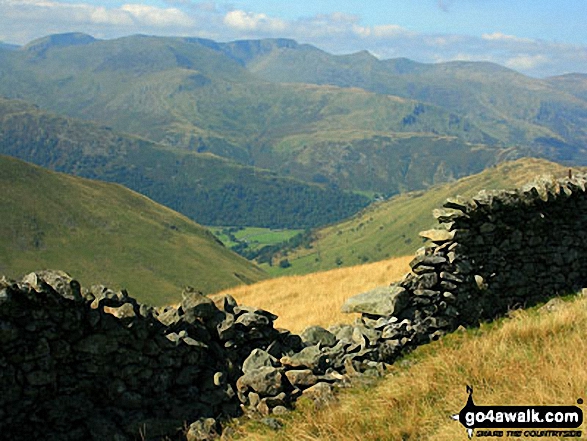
pixel 501 102
pixel 536 357
pixel 390 228
pixel 104 233
pixel 315 299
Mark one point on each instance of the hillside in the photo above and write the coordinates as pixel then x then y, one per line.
pixel 207 188
pixel 362 124
pixel 575 84
pixel 104 233
pixel 390 228
pixel 505 105
pixel 420 393
pixel 315 299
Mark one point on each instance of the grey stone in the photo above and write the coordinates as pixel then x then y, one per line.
pixel 438 236
pixel 384 301
pixel 258 358
pixel 229 303
pixel 279 410
pixel 427 261
pixel 96 344
pixel 427 281
pixel 265 380
pixel 219 379
pixel 457 203
pixel 447 215
pixel 311 357
pixel 272 423
pixel 343 332
pixel 425 293
pixel 251 319
pixel 552 305
pixel 301 378
pixel 225 328
pixel 202 430
pixel 444 275
pixel 320 393
pixel 195 305
pixel 318 335
pixel 480 281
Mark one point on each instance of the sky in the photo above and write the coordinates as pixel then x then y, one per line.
pixel 536 37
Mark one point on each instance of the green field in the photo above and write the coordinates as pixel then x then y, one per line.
pixel 255 238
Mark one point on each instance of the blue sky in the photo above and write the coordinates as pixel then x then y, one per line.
pixel 535 37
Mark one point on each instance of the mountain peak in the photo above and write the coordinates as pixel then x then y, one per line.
pixel 40 45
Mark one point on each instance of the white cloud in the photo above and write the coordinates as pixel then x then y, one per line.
pixel 69 15
pixel 386 31
pixel 105 16
pixel 498 36
pixel 152 16
pixel 249 21
pixel 525 62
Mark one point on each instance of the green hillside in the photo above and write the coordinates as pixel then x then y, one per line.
pixel 363 125
pixel 575 84
pixel 390 228
pixel 208 189
pixel 104 233
pixel 505 105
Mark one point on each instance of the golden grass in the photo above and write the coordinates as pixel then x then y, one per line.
pixel 315 299
pixel 532 358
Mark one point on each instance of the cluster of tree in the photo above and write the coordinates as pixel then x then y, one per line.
pixel 207 189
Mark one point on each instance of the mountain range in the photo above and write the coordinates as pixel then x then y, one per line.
pixel 340 122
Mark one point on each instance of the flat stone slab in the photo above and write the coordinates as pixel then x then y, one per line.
pixel 384 301
pixel 437 235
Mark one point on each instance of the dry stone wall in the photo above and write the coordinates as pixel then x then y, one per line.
pixel 95 364
pixel 497 251
pixel 71 370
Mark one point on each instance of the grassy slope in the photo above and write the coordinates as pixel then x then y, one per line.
pixel 523 359
pixel 575 84
pixel 315 299
pixel 180 91
pixel 105 233
pixel 391 228
pixel 536 357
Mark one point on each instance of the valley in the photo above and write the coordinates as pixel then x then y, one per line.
pixel 106 234
pixel 390 228
pixel 315 221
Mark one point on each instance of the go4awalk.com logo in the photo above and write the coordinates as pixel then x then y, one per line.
pixel 520 421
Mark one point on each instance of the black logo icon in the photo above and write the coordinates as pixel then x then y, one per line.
pixel 517 417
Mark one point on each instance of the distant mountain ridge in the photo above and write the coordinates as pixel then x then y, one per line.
pixel 350 122
pixel 8 46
